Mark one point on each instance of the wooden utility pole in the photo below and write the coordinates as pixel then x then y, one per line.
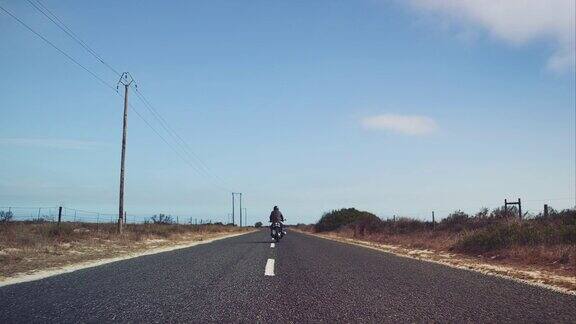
pixel 233 212
pixel 433 220
pixel 126 80
pixel 59 216
pixel 240 209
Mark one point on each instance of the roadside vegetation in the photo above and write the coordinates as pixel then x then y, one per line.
pixel 547 242
pixel 27 246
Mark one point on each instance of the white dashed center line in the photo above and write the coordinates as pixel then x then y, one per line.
pixel 269 270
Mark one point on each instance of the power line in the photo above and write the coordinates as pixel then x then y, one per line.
pixel 178 139
pixel 89 49
pixel 203 168
pixel 170 145
pixel 58 22
pixel 57 48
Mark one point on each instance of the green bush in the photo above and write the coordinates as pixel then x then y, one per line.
pixel 258 225
pixel 457 221
pixel 528 233
pixel 345 216
pixel 405 225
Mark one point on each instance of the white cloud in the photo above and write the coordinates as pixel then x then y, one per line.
pixel 66 144
pixel 517 22
pixel 404 124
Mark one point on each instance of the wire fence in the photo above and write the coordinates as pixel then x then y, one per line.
pixel 51 214
pixel 530 208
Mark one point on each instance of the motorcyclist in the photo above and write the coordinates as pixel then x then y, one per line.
pixel 277 217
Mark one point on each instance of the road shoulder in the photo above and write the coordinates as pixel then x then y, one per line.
pixel 45 273
pixel 558 283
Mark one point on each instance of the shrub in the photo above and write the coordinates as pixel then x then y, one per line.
pixel 258 225
pixel 502 212
pixel 6 216
pixel 405 225
pixel 506 234
pixel 338 218
pixel 457 221
pixel 162 219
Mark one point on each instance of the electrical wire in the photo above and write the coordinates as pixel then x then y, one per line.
pixel 202 169
pixel 60 24
pixel 177 138
pixel 57 48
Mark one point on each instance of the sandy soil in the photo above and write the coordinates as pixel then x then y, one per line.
pixel 25 264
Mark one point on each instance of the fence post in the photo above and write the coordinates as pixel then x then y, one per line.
pixel 433 221
pixel 39 213
pixel 59 215
pixel 520 208
pixel 545 210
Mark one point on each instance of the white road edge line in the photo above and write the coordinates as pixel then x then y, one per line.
pixel 272 245
pixel 269 270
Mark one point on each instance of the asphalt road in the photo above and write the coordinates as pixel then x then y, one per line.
pixel 314 280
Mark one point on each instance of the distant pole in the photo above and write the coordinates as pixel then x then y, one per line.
pixel 519 208
pixel 75 216
pixel 245 217
pixel 505 207
pixel 433 220
pixel 233 209
pixel 126 80
pixel 545 210
pixel 240 209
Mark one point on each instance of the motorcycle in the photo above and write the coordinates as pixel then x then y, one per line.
pixel 276 231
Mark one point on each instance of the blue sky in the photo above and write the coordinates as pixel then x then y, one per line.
pixel 396 107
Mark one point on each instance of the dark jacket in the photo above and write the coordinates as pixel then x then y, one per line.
pixel 276 216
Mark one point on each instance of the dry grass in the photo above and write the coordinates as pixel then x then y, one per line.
pixel 541 243
pixel 29 246
pixel 557 258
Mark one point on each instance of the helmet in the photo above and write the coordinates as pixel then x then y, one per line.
pixel 275 207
